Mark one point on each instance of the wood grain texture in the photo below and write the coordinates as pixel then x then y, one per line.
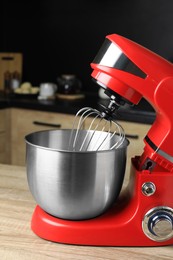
pixel 18 242
pixel 5 149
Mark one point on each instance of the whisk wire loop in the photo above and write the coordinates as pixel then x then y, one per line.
pixel 101 133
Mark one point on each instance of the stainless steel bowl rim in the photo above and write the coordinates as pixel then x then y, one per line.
pixel 125 144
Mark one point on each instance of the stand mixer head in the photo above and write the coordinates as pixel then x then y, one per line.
pixel 128 72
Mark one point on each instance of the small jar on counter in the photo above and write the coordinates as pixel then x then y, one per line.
pixel 7 82
pixel 69 84
pixel 11 81
pixel 15 80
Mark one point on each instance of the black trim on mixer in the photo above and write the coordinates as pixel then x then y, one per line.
pixel 151 144
pixel 159 151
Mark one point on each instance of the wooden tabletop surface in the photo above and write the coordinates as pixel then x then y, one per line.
pixel 17 241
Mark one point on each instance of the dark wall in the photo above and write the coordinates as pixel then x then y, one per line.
pixel 58 37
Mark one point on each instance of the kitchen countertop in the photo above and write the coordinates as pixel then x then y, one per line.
pixel 142 113
pixel 17 241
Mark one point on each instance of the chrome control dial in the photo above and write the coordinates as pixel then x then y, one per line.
pixel 158 223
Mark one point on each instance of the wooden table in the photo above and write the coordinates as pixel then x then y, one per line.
pixel 17 241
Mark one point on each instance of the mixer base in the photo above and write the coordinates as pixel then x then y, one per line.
pixel 101 231
pixel 119 226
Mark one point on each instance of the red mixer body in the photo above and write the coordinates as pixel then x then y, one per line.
pixel 143 215
pixel 155 85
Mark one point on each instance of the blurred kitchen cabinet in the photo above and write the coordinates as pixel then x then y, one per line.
pixel 4 136
pixel 25 121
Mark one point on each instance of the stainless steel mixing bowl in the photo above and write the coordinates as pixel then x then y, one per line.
pixel 72 185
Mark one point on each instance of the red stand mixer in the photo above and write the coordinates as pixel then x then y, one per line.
pixel 143 214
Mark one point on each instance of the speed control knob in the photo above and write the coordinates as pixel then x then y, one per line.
pixel 158 224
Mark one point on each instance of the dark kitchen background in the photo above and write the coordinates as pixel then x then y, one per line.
pixel 63 36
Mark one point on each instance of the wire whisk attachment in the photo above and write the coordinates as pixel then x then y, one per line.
pixel 91 131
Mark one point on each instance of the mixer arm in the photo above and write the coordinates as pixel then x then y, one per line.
pixel 134 72
pixel 160 135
